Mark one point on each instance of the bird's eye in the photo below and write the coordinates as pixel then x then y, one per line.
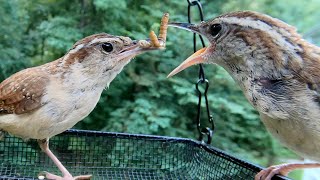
pixel 215 29
pixel 107 47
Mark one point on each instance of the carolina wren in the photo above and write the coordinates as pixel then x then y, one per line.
pixel 278 71
pixel 40 102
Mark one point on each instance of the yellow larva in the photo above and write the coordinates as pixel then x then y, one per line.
pixel 164 27
pixel 144 44
pixel 154 39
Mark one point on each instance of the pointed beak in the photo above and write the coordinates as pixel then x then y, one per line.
pixel 135 49
pixel 186 26
pixel 196 58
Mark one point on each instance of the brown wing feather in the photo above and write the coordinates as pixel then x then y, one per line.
pixel 22 92
pixel 310 73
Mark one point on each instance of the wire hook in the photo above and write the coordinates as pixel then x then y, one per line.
pixel 202 80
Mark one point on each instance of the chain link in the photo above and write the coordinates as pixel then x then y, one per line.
pixel 203 131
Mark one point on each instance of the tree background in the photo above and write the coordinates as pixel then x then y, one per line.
pixel 141 99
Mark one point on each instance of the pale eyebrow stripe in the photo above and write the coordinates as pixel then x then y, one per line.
pixel 253 23
pixel 76 48
pixel 97 40
pixel 272 31
pixel 92 42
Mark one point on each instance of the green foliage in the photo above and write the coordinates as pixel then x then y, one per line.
pixel 141 99
pixel 12 47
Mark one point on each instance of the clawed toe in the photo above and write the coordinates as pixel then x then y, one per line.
pixel 48 175
pixel 83 177
pixel 271 171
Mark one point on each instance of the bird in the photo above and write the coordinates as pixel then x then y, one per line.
pixel 43 101
pixel 278 72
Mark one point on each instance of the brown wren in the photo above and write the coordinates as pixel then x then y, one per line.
pixel 278 72
pixel 43 101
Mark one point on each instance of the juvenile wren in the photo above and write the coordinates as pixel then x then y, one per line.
pixel 278 72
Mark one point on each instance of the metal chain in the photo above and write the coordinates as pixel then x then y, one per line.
pixel 203 131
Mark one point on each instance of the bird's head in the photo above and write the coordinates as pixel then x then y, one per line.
pixel 247 43
pixel 103 55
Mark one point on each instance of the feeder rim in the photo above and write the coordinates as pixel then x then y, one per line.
pixel 195 143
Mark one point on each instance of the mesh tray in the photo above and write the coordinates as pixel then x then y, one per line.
pixel 122 156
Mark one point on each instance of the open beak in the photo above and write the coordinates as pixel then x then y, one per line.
pixel 196 58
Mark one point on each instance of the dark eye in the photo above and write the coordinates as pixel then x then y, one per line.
pixel 215 29
pixel 107 47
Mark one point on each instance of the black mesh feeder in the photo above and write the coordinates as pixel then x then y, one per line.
pixel 122 156
pixel 128 156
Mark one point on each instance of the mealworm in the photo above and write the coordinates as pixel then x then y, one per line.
pixel 164 27
pixel 144 44
pixel 154 39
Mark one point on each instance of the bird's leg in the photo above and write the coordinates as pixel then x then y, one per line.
pixel 44 145
pixel 283 169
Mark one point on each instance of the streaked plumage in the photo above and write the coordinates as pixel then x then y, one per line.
pixel 278 71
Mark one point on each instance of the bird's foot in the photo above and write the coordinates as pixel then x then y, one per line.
pixel 268 173
pixel 2 134
pixel 283 169
pixel 48 175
